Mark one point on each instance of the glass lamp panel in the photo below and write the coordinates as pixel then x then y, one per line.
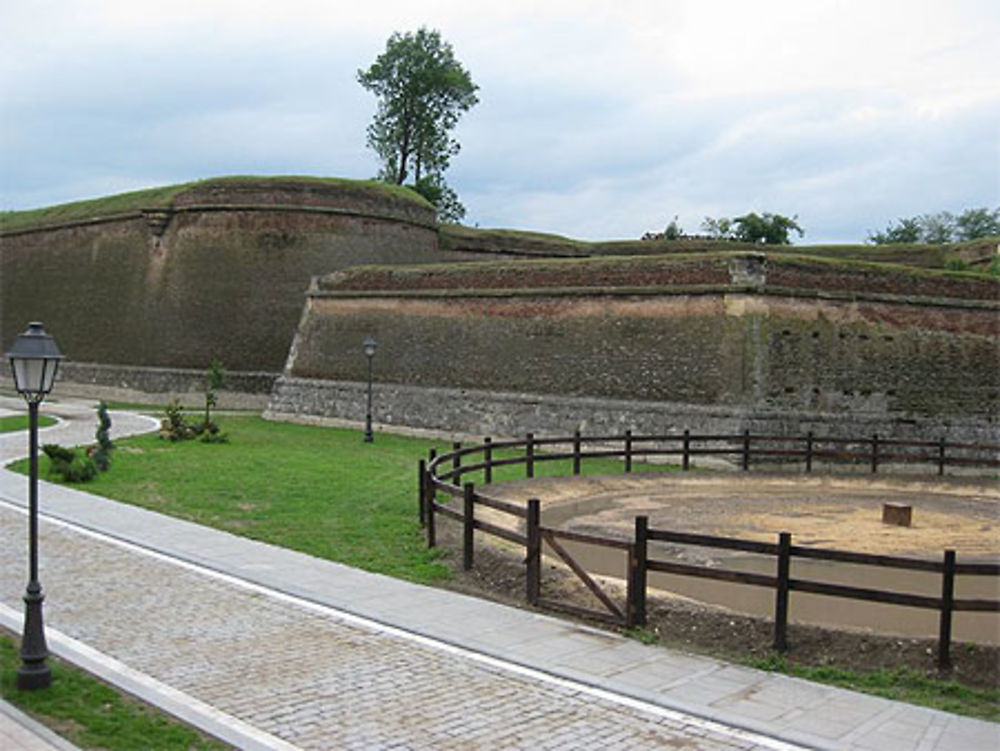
pixel 49 375
pixel 28 374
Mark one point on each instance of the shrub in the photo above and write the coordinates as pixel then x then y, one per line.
pixel 101 453
pixel 174 427
pixel 68 464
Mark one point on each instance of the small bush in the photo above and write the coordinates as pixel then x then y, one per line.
pixel 69 464
pixel 210 433
pixel 994 268
pixel 175 427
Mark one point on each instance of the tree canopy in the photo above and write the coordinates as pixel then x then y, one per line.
pixel 767 228
pixel 940 228
pixel 422 91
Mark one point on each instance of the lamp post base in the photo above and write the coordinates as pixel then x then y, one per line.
pixel 33 673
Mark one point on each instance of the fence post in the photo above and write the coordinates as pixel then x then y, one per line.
pixel 431 532
pixel 746 450
pixel 875 453
pixel 488 460
pixel 529 455
pixel 781 593
pixel 809 452
pixel 686 459
pixel 941 456
pixel 422 491
pixel 456 462
pixel 533 570
pixel 576 452
pixel 628 451
pixel 947 605
pixel 468 524
pixel 636 615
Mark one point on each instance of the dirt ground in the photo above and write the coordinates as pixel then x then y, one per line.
pixel 830 512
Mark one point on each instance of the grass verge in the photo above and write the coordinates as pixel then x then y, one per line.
pixel 92 715
pixel 900 684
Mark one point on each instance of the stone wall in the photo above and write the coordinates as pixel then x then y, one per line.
pixel 752 340
pixel 476 413
pixel 219 271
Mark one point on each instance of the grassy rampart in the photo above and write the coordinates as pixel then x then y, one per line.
pixel 170 196
pixel 975 253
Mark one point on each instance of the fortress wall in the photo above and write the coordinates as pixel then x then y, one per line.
pixel 728 342
pixel 220 272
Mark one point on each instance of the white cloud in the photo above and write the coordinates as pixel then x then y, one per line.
pixel 596 119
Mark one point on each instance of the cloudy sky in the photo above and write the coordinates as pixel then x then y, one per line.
pixel 596 120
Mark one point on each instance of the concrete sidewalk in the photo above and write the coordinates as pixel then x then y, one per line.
pixel 19 732
pixel 275 649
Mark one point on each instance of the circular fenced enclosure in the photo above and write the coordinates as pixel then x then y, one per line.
pixel 799 544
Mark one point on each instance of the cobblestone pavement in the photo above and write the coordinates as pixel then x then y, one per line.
pixel 308 677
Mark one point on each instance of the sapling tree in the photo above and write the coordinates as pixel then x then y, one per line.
pixel 214 379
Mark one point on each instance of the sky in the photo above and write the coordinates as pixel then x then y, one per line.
pixel 597 120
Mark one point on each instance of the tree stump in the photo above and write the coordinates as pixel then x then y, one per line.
pixel 897 514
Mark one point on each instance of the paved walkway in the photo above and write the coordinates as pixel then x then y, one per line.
pixel 19 732
pixel 269 648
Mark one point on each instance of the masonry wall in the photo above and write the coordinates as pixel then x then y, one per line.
pixel 220 272
pixel 722 337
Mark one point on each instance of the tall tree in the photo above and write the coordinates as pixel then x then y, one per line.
pixel 422 91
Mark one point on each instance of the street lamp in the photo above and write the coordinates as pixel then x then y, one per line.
pixel 369 349
pixel 34 359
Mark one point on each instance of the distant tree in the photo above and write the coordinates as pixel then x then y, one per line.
pixel 940 228
pixel 904 231
pixel 937 229
pixel 972 224
pixel 770 229
pixel 719 229
pixel 766 228
pixel 422 91
pixel 673 231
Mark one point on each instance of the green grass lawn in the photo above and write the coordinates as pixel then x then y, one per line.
pixel 20 422
pixel 321 491
pixel 317 490
pixel 93 715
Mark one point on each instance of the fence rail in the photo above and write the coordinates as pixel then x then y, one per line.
pixel 444 474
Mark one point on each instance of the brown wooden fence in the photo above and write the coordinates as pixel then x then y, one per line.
pixel 443 474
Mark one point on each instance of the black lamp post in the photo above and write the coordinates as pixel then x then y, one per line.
pixel 34 359
pixel 369 348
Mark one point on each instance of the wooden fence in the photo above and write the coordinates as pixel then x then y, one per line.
pixel 444 473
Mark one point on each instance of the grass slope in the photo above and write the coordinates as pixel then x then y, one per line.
pixel 164 197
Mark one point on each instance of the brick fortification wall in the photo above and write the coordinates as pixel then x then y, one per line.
pixel 721 341
pixel 219 271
